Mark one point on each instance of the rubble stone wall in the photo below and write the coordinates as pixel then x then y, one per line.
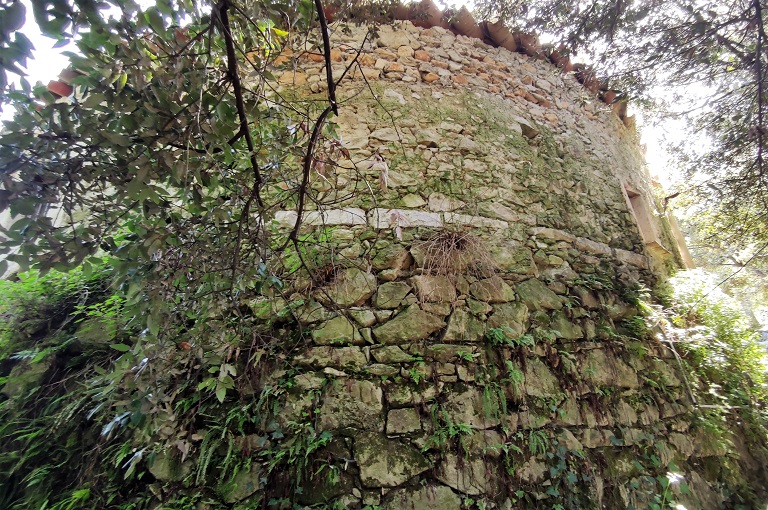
pixel 477 344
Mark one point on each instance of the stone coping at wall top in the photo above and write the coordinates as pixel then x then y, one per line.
pixel 425 14
pixel 380 219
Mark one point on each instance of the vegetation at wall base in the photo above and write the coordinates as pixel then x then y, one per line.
pixel 103 419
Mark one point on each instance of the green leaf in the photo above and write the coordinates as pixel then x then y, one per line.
pixel 94 100
pixel 221 393
pixel 122 79
pixel 153 323
pixel 155 20
pixel 120 347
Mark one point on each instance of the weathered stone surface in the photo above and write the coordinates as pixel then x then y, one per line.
pixel 350 358
pixel 383 370
pixel 245 484
pixel 502 212
pixel 392 257
pixel 590 246
pixel 394 37
pixel 463 327
pixel 390 354
pixel 312 312
pixel 492 290
pixel 587 298
pixel 435 289
pixel 514 258
pixel 700 494
pixel 565 327
pixel 633 258
pixel 569 413
pixel 600 368
pixel 387 462
pixel 400 395
pixel 351 216
pixel 445 353
pixel 364 317
pixel 424 498
pixel 352 287
pixel 539 379
pixel 440 202
pixel 472 407
pixel 413 201
pixel 336 331
pixel 166 466
pixel 468 476
pixel 552 234
pixel 511 315
pixel 478 307
pixel 537 296
pixel 386 134
pixel 352 404
pixel 567 439
pixel 409 325
pixel 392 218
pixel 389 295
pixel 682 443
pixel 533 470
pixel 440 309
pixel 625 415
pixel 429 138
pixel 663 373
pixel 403 421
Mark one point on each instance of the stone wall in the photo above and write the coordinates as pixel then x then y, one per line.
pixel 474 341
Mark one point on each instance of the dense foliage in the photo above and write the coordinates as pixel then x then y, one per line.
pixel 171 157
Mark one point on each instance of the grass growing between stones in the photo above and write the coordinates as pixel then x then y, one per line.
pixel 454 252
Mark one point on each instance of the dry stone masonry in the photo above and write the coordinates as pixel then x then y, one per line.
pixel 473 342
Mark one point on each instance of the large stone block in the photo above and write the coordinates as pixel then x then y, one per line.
pixel 352 287
pixel 602 369
pixel 463 327
pixel 511 315
pixel 389 295
pixel 469 476
pixel 403 421
pixel 424 498
pixel 409 325
pixel 434 289
pixel 537 296
pixel 492 290
pixel 344 358
pixel 352 404
pixel 473 407
pixel 338 330
pixel 539 379
pixel 387 462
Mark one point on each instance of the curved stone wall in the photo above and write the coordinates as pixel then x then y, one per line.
pixel 473 341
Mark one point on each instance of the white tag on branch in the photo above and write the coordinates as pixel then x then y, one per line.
pixel 319 165
pixel 379 165
pixel 399 221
